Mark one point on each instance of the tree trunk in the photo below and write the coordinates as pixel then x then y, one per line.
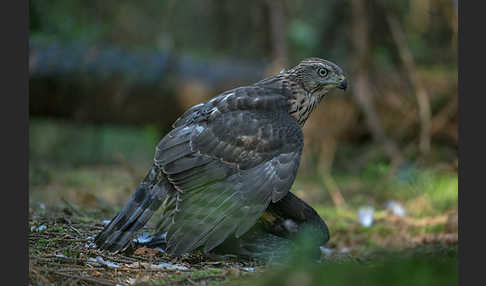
pixel 361 82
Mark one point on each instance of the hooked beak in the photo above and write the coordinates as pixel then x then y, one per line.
pixel 343 84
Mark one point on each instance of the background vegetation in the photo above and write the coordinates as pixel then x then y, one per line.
pixel 107 78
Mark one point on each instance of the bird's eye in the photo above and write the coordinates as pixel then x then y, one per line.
pixel 322 72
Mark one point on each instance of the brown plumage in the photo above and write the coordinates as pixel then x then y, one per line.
pixel 225 161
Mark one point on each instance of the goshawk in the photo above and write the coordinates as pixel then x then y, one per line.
pixel 229 163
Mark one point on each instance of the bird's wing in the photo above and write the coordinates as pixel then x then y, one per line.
pixel 227 168
pixel 291 216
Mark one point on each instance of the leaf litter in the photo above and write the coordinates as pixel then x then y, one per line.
pixel 61 252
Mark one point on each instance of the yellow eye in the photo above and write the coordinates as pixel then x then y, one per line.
pixel 322 72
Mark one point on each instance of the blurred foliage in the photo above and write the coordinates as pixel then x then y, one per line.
pixel 426 266
pixel 241 29
pixel 74 145
pixel 241 32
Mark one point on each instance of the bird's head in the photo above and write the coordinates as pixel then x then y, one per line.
pixel 318 76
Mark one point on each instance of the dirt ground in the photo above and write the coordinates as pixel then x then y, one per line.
pixel 60 252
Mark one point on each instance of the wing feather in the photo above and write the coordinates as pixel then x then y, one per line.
pixel 227 168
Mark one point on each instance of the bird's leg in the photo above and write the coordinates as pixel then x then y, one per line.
pixel 156 240
pixel 159 239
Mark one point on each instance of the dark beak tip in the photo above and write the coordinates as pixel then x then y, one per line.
pixel 343 85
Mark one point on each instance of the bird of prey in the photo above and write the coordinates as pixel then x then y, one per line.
pixel 229 163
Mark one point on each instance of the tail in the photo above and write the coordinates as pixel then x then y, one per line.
pixel 150 194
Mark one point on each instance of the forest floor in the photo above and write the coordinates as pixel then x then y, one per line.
pixel 60 252
pixel 61 231
pixel 75 185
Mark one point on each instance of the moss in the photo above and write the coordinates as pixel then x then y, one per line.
pixel 57 228
pixel 42 242
pixel 84 219
pixel 207 272
pixel 416 267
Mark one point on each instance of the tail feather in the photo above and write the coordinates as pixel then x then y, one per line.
pixel 149 196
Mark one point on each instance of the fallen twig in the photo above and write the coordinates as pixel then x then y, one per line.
pixel 73 208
